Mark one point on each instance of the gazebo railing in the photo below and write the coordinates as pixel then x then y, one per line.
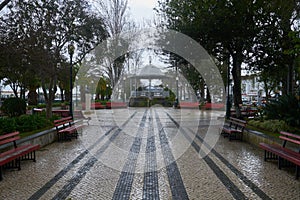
pixel 153 93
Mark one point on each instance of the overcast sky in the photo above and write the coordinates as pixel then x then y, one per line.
pixel 142 9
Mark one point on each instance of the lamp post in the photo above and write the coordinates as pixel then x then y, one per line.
pixel 228 104
pixel 107 91
pixel 177 88
pixel 76 85
pixel 124 78
pixel 71 49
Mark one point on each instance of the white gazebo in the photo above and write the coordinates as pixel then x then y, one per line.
pixel 150 73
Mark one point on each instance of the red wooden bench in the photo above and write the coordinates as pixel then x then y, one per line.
pixel 12 155
pixel 66 128
pixel 213 106
pixel 111 105
pixel 61 113
pixel 194 105
pixel 234 128
pixel 94 106
pixel 282 153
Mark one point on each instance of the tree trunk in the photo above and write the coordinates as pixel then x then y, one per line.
pixel 32 97
pixel 208 97
pixel 49 96
pixel 236 74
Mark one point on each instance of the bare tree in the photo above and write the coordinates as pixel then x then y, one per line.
pixel 115 15
pixel 116 18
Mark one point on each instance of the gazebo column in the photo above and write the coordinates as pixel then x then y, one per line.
pixel 149 89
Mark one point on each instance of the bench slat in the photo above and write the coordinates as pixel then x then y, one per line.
pixel 9 140
pixel 289 139
pixel 234 128
pixel 282 152
pixel 13 154
pixel 66 126
pixel 290 134
pixel 2 137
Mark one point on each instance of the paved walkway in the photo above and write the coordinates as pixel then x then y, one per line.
pixel 152 153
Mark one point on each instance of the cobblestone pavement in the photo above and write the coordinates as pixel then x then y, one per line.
pixel 154 153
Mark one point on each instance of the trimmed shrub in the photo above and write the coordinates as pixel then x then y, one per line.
pixel 7 125
pixel 274 126
pixel 286 108
pixel 24 123
pixel 14 107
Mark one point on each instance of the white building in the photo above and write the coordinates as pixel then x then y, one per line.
pixel 252 88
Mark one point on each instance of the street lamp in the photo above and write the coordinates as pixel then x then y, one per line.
pixel 71 50
pixel 177 89
pixel 76 87
pixel 228 104
pixel 107 91
pixel 124 78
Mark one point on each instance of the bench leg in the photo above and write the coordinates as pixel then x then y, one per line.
pixel 279 162
pixel 1 177
pixel 297 171
pixel 18 163
pixel 29 156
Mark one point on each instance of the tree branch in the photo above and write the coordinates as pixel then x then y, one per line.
pixel 4 3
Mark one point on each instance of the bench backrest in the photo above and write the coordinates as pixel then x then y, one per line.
pixel 237 123
pixel 63 121
pixel 10 137
pixel 289 137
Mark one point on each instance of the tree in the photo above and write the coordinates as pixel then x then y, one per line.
pixel 116 19
pixel 273 41
pixel 231 27
pixel 46 28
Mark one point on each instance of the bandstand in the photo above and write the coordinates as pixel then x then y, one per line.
pixel 151 92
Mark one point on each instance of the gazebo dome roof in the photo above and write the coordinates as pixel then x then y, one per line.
pixel 150 71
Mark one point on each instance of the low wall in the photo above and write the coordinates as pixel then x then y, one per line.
pixel 49 136
pixel 42 138
pixel 255 137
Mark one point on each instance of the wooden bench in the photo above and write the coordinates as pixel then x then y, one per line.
pixel 12 155
pixel 112 105
pixel 234 129
pixel 282 153
pixel 61 113
pixel 66 128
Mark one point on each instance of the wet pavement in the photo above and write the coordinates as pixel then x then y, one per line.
pixel 154 153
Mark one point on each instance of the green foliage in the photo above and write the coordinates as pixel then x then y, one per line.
pixel 24 123
pixel 27 123
pixel 7 125
pixel 286 108
pixel 139 102
pixel 14 107
pixel 274 126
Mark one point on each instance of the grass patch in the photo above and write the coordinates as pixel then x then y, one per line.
pixel 254 128
pixel 271 127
